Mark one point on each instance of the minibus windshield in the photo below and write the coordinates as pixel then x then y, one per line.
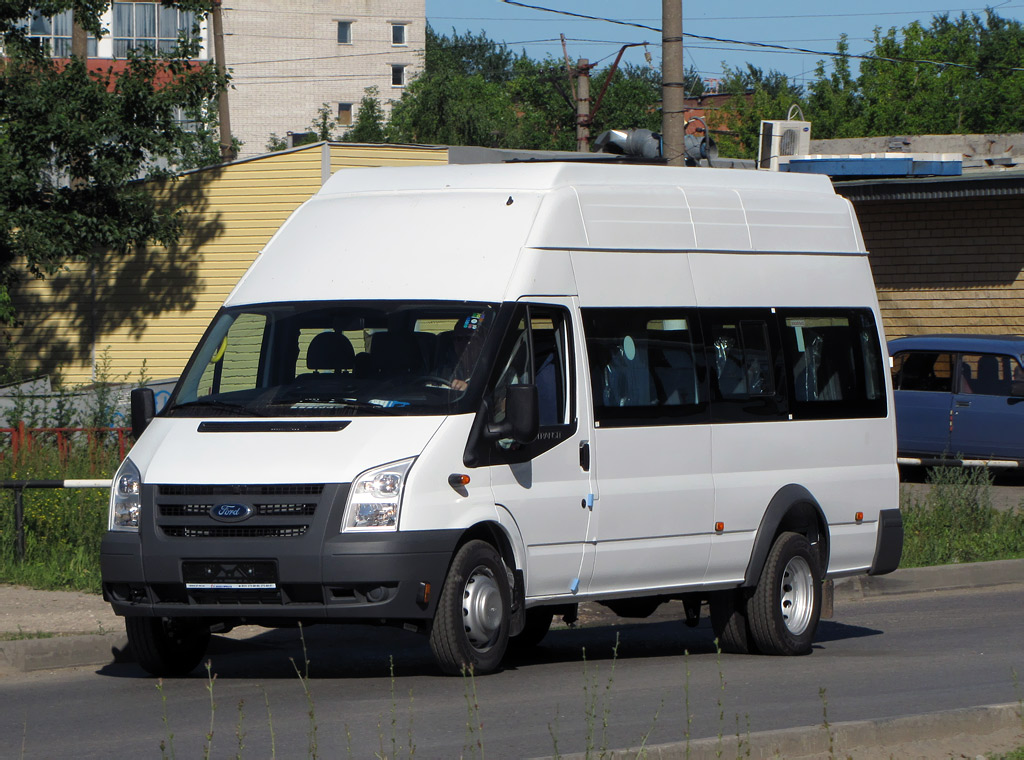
pixel 366 358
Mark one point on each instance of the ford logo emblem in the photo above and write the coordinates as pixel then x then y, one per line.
pixel 231 512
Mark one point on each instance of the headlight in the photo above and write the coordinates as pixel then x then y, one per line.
pixel 375 498
pixel 126 498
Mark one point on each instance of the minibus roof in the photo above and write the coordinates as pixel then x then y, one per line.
pixel 457 232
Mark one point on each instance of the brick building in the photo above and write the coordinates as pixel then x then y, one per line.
pixel 947 253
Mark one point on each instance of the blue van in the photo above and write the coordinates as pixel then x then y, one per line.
pixel 959 398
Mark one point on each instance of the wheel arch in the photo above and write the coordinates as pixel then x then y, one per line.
pixel 792 508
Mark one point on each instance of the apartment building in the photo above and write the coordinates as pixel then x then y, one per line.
pixel 286 57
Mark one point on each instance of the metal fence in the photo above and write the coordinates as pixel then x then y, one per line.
pixel 19 486
pixel 22 438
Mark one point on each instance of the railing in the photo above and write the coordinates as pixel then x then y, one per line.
pixel 24 438
pixel 19 486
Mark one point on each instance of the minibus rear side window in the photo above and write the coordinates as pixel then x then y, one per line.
pixel 835 363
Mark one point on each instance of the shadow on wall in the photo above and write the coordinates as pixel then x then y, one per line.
pixel 83 307
pixel 944 245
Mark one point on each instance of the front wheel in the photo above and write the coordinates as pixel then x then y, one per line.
pixel 786 606
pixel 167 646
pixel 470 628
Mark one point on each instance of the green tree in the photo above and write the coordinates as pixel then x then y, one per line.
pixel 952 76
pixel 756 95
pixel 73 141
pixel 369 123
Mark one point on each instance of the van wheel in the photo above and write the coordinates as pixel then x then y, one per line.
pixel 538 623
pixel 729 621
pixel 470 628
pixel 167 646
pixel 786 605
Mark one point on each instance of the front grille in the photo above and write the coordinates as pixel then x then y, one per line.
pixel 264 510
pixel 192 510
pixel 216 531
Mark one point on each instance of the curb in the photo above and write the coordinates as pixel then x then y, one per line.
pixel 72 651
pixel 840 739
pixel 914 580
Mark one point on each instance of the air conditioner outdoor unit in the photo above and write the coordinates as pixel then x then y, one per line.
pixel 781 140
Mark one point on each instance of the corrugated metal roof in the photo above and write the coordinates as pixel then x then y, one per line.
pixel 987 184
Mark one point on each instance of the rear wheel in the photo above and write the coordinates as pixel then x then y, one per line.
pixel 167 646
pixel 470 628
pixel 786 606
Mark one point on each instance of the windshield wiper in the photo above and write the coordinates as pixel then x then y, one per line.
pixel 226 406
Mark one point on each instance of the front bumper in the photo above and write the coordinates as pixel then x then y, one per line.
pixel 292 545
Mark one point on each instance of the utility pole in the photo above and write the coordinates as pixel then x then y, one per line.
pixel 673 85
pixel 583 106
pixel 227 152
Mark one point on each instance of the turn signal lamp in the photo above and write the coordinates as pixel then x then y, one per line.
pixel 859 517
pixel 719 527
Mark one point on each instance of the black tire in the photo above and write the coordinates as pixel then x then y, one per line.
pixel 786 605
pixel 470 628
pixel 538 623
pixel 167 646
pixel 728 611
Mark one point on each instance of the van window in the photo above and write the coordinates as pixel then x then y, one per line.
pixel 923 371
pixel 835 363
pixel 646 366
pixel 745 365
pixel 352 358
pixel 535 351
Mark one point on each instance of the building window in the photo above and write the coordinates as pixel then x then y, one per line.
pixel 344 114
pixel 398 34
pixel 397 75
pixel 344 32
pixel 148 26
pixel 54 33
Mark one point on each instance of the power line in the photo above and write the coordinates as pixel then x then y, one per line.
pixel 765 45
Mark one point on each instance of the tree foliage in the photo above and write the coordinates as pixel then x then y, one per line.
pixel 73 142
pixel 951 76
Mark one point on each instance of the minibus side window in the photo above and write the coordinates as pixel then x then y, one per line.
pixel 744 357
pixel 646 366
pixel 835 363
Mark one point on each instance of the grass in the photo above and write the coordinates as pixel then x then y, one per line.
pixel 956 522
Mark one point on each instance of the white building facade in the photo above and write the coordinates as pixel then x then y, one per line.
pixel 286 57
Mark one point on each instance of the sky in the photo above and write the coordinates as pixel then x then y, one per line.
pixel 810 24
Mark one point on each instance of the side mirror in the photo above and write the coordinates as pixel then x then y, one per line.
pixel 143 410
pixel 522 415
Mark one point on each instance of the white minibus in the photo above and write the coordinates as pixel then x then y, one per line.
pixel 465 399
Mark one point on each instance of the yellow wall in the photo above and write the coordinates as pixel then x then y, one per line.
pixel 154 304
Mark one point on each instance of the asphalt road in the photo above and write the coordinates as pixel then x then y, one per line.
pixel 879 658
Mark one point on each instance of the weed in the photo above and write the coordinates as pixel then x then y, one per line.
pixel 304 680
pixel 474 724
pixel 270 725
pixel 956 522
pixel 21 635
pixel 239 730
pixel 824 722
pixel 210 678
pixel 167 746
